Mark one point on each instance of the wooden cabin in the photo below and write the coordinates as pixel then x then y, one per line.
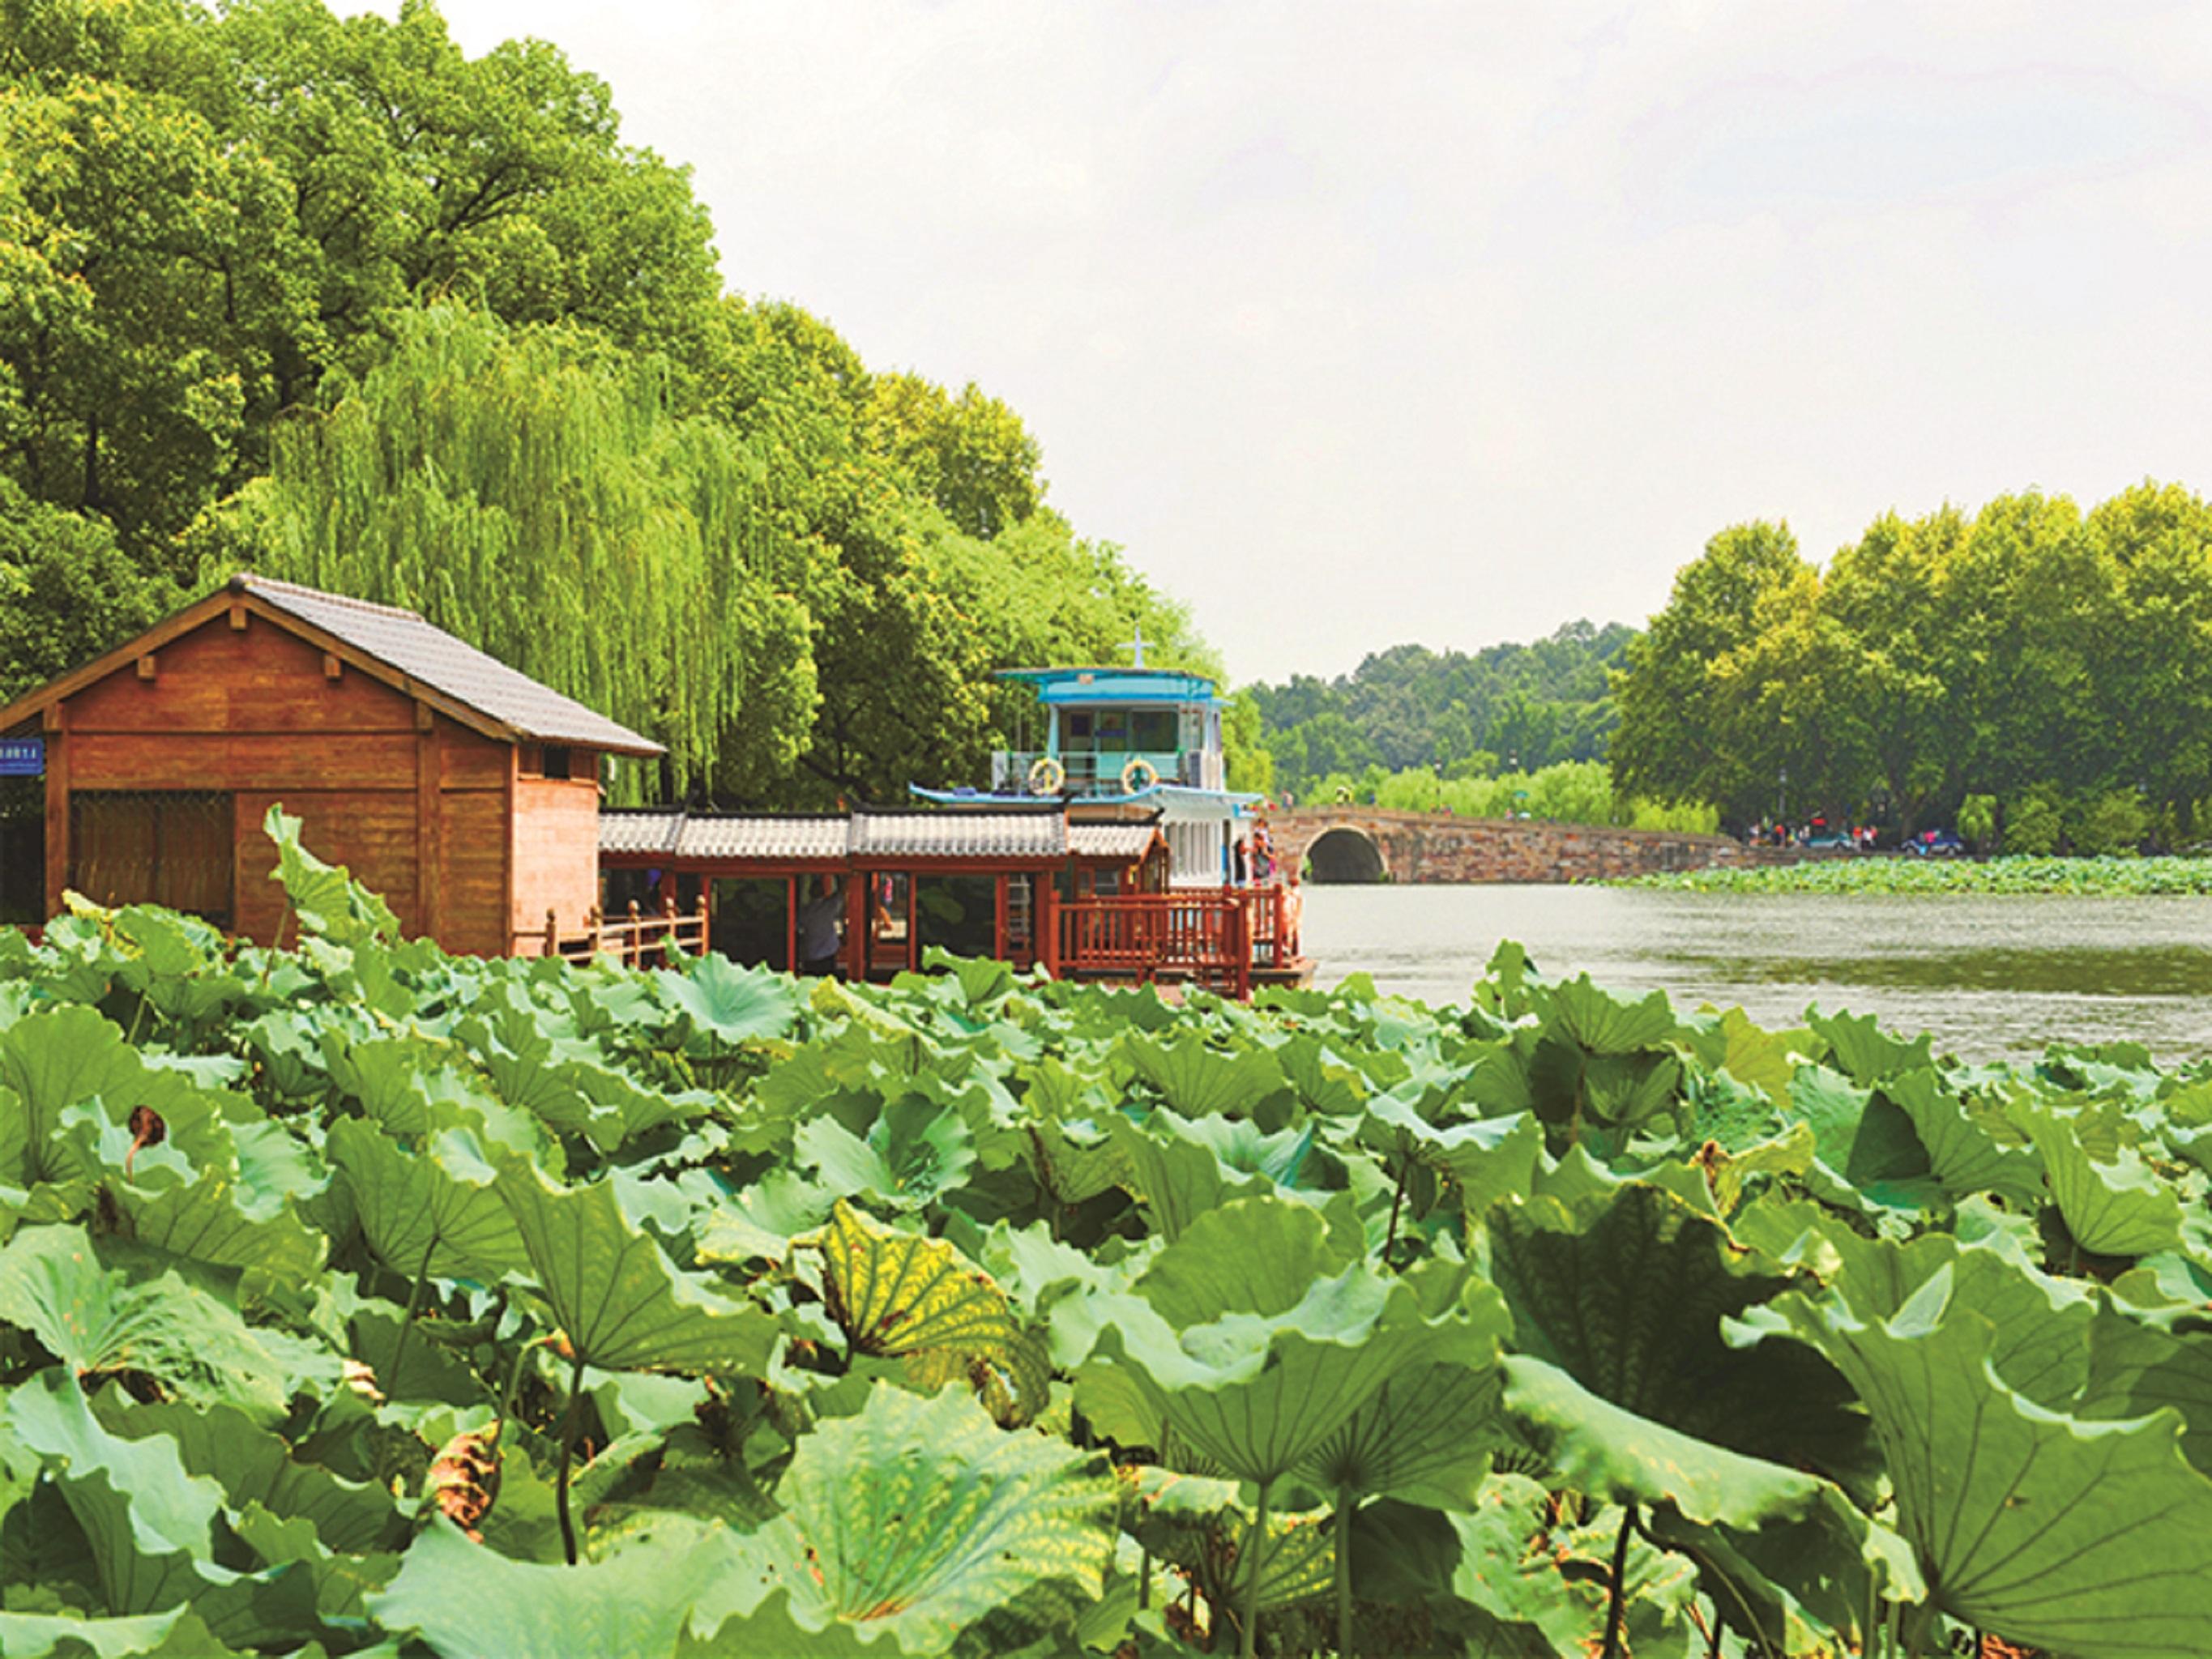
pixel 463 791
pixel 981 883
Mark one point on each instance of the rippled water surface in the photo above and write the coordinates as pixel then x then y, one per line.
pixel 1990 977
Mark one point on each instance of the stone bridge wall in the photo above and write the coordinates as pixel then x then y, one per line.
pixel 1435 847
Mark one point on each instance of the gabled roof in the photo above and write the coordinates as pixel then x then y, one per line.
pixel 398 647
pixel 1126 841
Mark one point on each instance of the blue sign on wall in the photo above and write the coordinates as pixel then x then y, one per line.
pixel 22 758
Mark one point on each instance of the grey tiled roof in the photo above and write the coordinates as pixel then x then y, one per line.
pixel 762 837
pixel 960 835
pixel 1110 840
pixel 434 658
pixel 775 837
pixel 639 832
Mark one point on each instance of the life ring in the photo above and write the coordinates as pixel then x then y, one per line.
pixel 1138 774
pixel 1046 775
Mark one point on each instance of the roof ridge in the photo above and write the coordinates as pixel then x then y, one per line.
pixel 252 581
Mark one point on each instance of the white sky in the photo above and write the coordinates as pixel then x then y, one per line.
pixel 1368 322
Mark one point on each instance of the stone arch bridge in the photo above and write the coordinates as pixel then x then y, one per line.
pixel 1368 843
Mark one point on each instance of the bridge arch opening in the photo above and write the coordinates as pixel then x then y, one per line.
pixel 1345 857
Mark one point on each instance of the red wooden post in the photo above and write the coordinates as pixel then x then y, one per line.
pixel 999 917
pixel 860 927
pixel 552 933
pixel 791 924
pixel 635 956
pixel 1044 919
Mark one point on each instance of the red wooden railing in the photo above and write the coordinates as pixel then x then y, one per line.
pixel 1216 936
pixel 641 939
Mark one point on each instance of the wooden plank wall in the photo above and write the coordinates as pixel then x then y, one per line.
pixel 377 780
pixel 557 850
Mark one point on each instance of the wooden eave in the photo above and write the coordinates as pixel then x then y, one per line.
pixel 219 604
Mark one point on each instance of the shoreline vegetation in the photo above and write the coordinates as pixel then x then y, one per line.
pixel 1875 875
pixel 359 1294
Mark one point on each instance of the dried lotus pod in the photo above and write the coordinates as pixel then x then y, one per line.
pixel 464 1479
pixel 146 1129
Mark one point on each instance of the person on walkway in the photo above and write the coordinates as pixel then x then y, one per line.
pixel 822 928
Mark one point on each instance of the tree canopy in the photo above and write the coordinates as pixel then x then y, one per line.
pixel 329 296
pixel 2046 663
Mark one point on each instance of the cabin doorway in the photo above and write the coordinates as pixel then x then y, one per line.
pixel 174 848
pixel 751 921
pixel 22 851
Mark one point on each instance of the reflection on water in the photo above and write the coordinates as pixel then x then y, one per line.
pixel 1988 977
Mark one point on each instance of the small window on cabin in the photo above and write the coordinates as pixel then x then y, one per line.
pixel 1113 731
pixel 1078 728
pixel 1152 731
pixel 556 760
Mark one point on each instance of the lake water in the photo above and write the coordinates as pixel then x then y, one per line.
pixel 1990 978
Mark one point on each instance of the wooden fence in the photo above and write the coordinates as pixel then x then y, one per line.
pixel 1213 936
pixel 640 938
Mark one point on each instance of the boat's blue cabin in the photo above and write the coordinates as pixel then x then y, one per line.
pixel 1111 732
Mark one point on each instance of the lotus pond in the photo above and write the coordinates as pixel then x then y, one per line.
pixel 358 1299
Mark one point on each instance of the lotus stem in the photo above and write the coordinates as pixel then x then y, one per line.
pixel 570 1426
pixel 1144 1551
pixel 1255 1547
pixel 414 1305
pixel 1343 1566
pixel 1397 1197
pixel 1616 1608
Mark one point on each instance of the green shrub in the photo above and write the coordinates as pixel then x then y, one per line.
pixel 1977 821
pixel 2113 823
pixel 2034 824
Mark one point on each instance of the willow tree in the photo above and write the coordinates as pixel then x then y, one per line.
pixel 531 490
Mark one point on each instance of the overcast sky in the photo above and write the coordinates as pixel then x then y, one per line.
pixel 1368 322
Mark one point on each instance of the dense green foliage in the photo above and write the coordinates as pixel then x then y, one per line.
pixel 1512 707
pixel 2117 877
pixel 1567 791
pixel 2048 658
pixel 329 298
pixel 354 1292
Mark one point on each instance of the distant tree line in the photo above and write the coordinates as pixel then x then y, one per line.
pixel 327 298
pixel 2039 674
pixel 1461 716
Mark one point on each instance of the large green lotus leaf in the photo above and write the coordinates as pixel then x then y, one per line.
pixel 97 1322
pixel 325 898
pixel 623 1305
pixel 2073 1536
pixel 2113 1205
pixel 1626 1293
pixel 1073 1159
pixel 723 1004
pixel 916 1151
pixel 1510 1572
pixel 1253 1336
pixel 1761 1060
pixel 1963 1147
pixel 1569 1084
pixel 1860 1136
pixel 1200 1080
pixel 1323 1081
pixel 150 1524
pixel 1427 1435
pixel 1594 1446
pixel 467 1602
pixel 433 1211
pixel 917 1517
pixel 1489 1159
pixel 1597 1021
pixel 213 1220
pixel 1865 1053
pixel 254 1466
pixel 2135 1368
pixel 62 1059
pixel 176 1634
pixel 903 1295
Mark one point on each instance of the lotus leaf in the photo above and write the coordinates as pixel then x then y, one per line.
pixel 917 1517
pixel 2113 1205
pixel 428 1213
pixel 1626 1294
pixel 621 1303
pixel 900 1295
pixel 2077 1536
